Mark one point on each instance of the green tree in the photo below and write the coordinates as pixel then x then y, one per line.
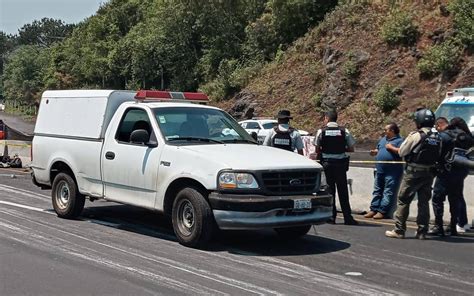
pixel 44 32
pixel 7 43
pixel 22 76
pixel 293 18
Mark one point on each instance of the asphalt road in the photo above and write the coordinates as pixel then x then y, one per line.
pixel 121 250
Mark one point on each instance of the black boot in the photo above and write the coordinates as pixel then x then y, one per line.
pixel 452 225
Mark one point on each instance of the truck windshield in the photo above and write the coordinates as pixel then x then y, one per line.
pixel 465 111
pixel 186 125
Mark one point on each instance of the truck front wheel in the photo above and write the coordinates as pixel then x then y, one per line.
pixel 68 202
pixel 192 218
pixel 292 232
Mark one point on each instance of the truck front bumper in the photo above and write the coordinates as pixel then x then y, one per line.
pixel 239 211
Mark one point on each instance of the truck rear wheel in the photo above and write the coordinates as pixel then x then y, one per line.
pixel 192 218
pixel 67 201
pixel 293 232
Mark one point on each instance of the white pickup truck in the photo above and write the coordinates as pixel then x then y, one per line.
pixel 156 150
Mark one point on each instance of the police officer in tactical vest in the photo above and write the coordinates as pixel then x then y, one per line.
pixel 332 142
pixel 456 138
pixel 283 136
pixel 422 151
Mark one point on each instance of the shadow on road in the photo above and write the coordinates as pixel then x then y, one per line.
pixel 255 242
pixel 460 239
pixel 267 243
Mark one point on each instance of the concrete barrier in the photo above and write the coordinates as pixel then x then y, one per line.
pixel 362 187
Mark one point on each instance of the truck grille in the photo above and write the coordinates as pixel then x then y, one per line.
pixel 291 182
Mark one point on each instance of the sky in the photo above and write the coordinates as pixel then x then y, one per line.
pixel 16 13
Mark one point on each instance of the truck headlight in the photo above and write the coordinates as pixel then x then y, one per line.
pixel 228 180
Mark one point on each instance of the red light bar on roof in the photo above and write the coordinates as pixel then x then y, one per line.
pixel 158 95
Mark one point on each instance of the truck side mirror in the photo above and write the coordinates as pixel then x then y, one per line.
pixel 254 135
pixel 139 136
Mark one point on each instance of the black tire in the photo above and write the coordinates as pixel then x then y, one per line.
pixel 192 218
pixel 293 232
pixel 68 203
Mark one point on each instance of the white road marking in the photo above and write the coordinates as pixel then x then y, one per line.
pixel 298 272
pixel 181 266
pixel 353 273
pixel 411 268
pixel 23 192
pixel 334 280
pixel 27 207
pixel 69 249
pixel 278 266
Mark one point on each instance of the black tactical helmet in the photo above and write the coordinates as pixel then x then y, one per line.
pixel 424 118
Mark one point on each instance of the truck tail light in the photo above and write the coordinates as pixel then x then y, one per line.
pixel 31 151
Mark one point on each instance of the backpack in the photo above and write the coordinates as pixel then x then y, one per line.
pixel 463 140
pixel 428 151
pixel 460 142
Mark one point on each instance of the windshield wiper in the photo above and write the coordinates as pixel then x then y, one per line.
pixel 240 141
pixel 196 139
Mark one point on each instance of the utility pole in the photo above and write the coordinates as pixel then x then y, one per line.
pixel 162 81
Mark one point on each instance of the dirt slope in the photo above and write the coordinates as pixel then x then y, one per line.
pixel 312 75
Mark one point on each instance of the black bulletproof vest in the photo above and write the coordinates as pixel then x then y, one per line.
pixel 333 140
pixel 282 139
pixel 427 151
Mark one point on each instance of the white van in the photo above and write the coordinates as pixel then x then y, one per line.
pixel 458 103
pixel 192 162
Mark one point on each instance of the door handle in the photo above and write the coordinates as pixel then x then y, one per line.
pixel 109 155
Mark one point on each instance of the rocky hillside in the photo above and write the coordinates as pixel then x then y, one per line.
pixel 348 63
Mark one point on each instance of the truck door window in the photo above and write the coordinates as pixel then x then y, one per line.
pixel 133 119
pixel 252 125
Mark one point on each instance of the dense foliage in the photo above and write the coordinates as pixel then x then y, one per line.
pixel 172 44
pixel 463 11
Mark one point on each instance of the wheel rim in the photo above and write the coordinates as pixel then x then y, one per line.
pixel 63 195
pixel 186 217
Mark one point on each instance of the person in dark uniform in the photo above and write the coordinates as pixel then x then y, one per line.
pixel 422 151
pixel 450 181
pixel 332 142
pixel 284 136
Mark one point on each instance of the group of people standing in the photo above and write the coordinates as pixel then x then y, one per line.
pixel 404 167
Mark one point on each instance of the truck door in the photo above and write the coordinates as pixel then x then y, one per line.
pixel 130 170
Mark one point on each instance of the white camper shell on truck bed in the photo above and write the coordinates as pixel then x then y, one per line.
pixel 76 121
pixel 79 113
pixel 191 162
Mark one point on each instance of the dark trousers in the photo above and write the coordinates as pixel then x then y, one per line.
pixel 336 176
pixel 385 192
pixel 414 183
pixel 452 185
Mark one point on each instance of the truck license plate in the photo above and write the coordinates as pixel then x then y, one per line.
pixel 302 204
